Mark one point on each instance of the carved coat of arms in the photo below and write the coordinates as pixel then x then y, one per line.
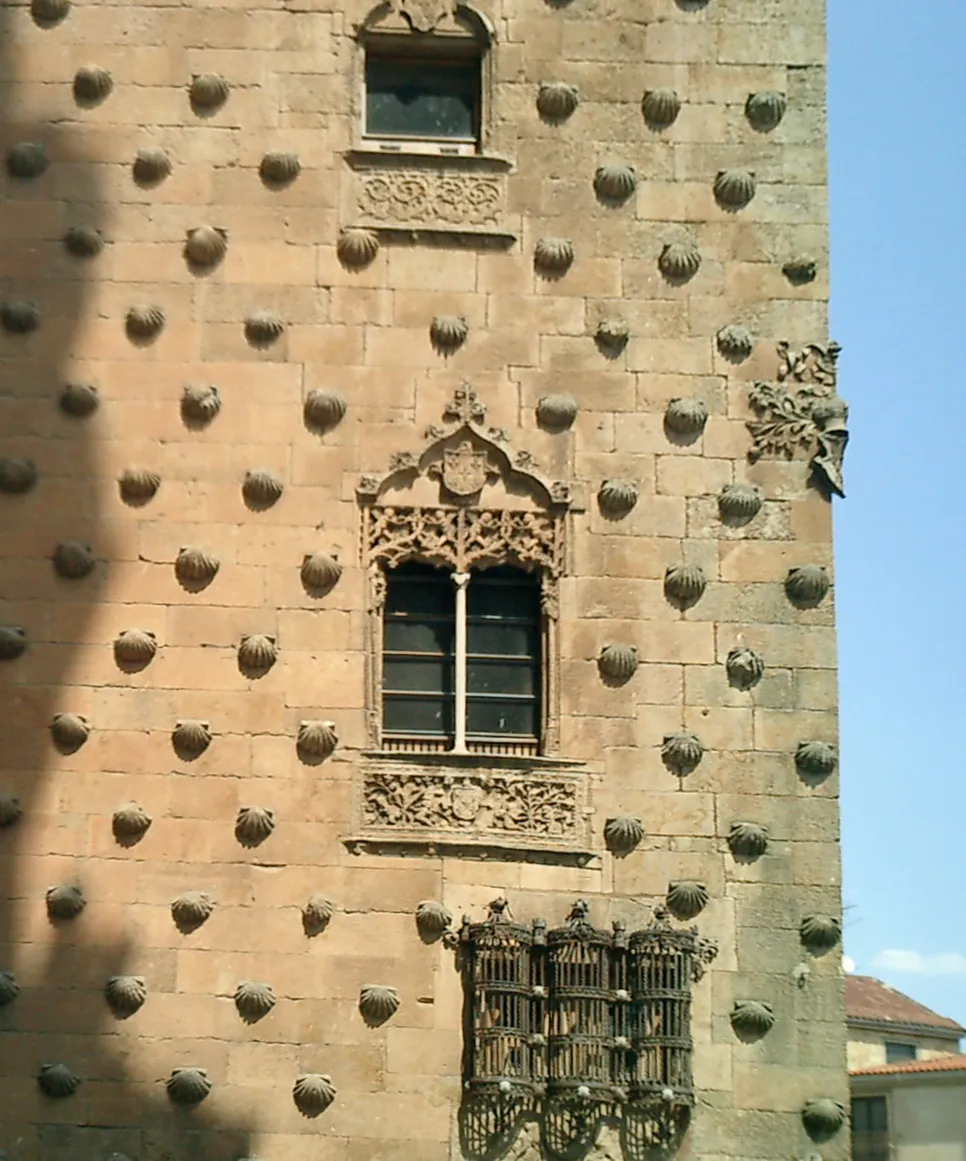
pixel 464 469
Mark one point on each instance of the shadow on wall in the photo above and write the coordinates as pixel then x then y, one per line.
pixel 60 1015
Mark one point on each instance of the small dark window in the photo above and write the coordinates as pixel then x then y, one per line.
pixel 899 1053
pixel 424 98
pixel 503 624
pixel 870 1129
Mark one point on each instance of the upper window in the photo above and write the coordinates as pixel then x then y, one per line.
pixel 423 98
pixel 899 1053
pixel 462 660
pixel 870 1129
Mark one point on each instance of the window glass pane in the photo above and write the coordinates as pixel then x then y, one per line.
pixel 417 715
pixel 501 677
pixel 419 588
pixel 507 640
pixel 401 674
pixel 422 97
pixel 898 1053
pixel 504 592
pixel 418 637
pixel 502 717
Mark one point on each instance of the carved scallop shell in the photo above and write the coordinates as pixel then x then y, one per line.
pixel 748 840
pixel 685 583
pixel 615 183
pixel 47 12
pixel 745 667
pixel 432 918
pixel 686 416
pixel 190 910
pixel 679 261
pixel 125 994
pixel 734 188
pixel 279 167
pixel 313 1092
pixel 357 248
pixel 191 738
pixel 17 476
pixel 27 160
pixel 316 739
pixel 261 488
pixel 138 485
pixel 623 833
pixel 765 110
pixel 144 321
pixel 323 410
pixel 83 241
pixel 377 1003
pixel 208 91
pixel 19 317
pixel 135 647
pixel 253 1000
pixel 815 759
pixel 92 83
pixel 739 503
pixel 73 560
pixel 10 810
pixel 820 933
pixel 752 1019
pixel 151 166
pixel 556 100
pixel 195 566
pixel 253 825
pixel 735 342
pixel 65 902
pixel 317 914
pixel 448 332
pixel 57 1080
pixel 617 497
pixel 686 898
pixel 553 256
pixel 823 1117
pixel 78 400
pixel 557 412
pixel 200 402
pixel 320 572
pixel 205 246
pixel 800 270
pixel 129 823
pixel 263 327
pixel 188 1086
pixel 618 662
pixel 682 753
pixel 69 731
pixel 612 334
pixel 9 988
pixel 807 585
pixel 13 642
pixel 660 108
pixel 257 653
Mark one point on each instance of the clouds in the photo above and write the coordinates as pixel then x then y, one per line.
pixel 948 963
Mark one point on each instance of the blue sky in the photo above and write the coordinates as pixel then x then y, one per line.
pixel 897 128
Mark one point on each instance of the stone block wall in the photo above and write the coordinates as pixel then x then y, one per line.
pixel 293 71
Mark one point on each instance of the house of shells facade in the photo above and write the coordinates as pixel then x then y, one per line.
pixel 419 437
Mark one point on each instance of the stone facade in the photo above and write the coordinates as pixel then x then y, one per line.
pixel 219 262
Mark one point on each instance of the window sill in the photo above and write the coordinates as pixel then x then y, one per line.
pixel 371 154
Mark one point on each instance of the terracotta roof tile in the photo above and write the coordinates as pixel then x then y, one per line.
pixel 870 999
pixel 939 1064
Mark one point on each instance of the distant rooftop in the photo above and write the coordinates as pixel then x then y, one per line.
pixel 938 1064
pixel 869 1001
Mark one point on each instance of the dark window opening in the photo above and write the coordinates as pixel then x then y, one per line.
pixel 899 1053
pixel 423 97
pixel 870 1129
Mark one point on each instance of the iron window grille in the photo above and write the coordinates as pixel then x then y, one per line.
pixel 462 660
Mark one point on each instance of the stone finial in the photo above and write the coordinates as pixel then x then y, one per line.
pixel 78 400
pixel 618 663
pixel 556 101
pixel 253 1000
pixel 660 108
pixel 685 899
pixel 623 833
pixel 377 1004
pixel 125 995
pixel 57 1080
pixel 253 825
pixel 313 1092
pixel 357 248
pixel 189 911
pixel 682 753
pixel 323 410
pixel 65 902
pixel 187 1086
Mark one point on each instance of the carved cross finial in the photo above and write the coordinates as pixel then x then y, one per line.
pixel 499 909
pixel 579 912
pixel 466 406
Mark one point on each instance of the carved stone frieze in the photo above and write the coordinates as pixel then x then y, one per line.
pixel 533 808
pixel 802 413
pixel 425 196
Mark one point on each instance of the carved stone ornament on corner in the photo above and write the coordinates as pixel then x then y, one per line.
pixel 802 413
